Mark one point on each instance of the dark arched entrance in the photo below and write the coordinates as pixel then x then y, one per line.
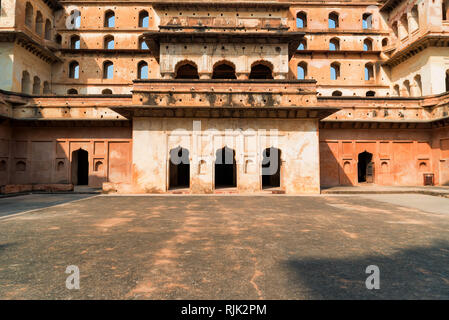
pixel 187 71
pixel 225 168
pixel 224 71
pixel 271 168
pixel 364 160
pixel 179 169
pixel 80 167
pixel 260 71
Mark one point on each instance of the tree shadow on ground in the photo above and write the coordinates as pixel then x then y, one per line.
pixel 414 273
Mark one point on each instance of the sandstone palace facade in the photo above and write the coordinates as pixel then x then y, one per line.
pixel 200 96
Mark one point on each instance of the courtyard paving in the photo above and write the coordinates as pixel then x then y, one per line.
pixel 224 247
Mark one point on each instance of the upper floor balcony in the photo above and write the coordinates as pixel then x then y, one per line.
pixel 223 93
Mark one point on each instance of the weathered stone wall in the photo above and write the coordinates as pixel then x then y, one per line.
pixel 440 151
pixel 400 156
pixel 5 138
pixel 297 139
pixel 44 154
pixel 431 65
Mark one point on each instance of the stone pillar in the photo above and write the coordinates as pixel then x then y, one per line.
pixel 167 75
pixel 242 75
pixel 205 75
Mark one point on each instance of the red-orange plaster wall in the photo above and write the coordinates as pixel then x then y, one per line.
pixel 47 153
pixel 400 157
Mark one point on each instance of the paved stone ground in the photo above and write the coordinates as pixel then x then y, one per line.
pixel 227 247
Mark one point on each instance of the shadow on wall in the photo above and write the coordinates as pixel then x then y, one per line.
pixel 415 273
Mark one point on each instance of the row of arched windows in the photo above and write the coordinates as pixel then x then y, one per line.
pixel 262 70
pixel 74 91
pixel 409 89
pixel 34 86
pixel 108 70
pixel 338 93
pixel 108 43
pixel 334 44
pixel 335 71
pixel 333 20
pixel 39 27
pixel 406 24
pixel 109 19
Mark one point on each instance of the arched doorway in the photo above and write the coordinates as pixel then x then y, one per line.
pixel 261 71
pixel 271 168
pixel 224 71
pixel 225 168
pixel 187 71
pixel 179 168
pixel 364 160
pixel 80 167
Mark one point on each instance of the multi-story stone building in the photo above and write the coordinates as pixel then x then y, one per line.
pixel 152 96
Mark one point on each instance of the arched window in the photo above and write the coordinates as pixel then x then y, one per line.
pixel 224 70
pixel 186 70
pixel 36 85
pixel 46 87
pixel 397 92
pixel 142 70
pixel 367 21
pixel 337 93
pixel 74 70
pixel 39 23
pixel 333 20
pixel 407 88
pixel 444 9
pixel 369 71
pixel 261 71
pixel 143 19
pixel 447 80
pixel 302 45
pixel 367 45
pixel 302 70
pixel 75 19
pixel 108 70
pixel 47 29
pixel 395 28
pixel 143 45
pixel 109 19
pixel 26 82
pixel 301 20
pixel 109 42
pixel 75 42
pixel 29 15
pixel 370 93
pixel 418 85
pixel 334 44
pixel 403 26
pixel 58 39
pixel 414 18
pixel 384 42
pixel 72 91
pixel 335 71
pixel 106 91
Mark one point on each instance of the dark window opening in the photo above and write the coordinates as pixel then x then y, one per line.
pixel 336 93
pixel 447 80
pixel 365 159
pixel 179 168
pixel 187 71
pixel 80 167
pixel 260 71
pixel 225 168
pixel 224 71
pixel 271 168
